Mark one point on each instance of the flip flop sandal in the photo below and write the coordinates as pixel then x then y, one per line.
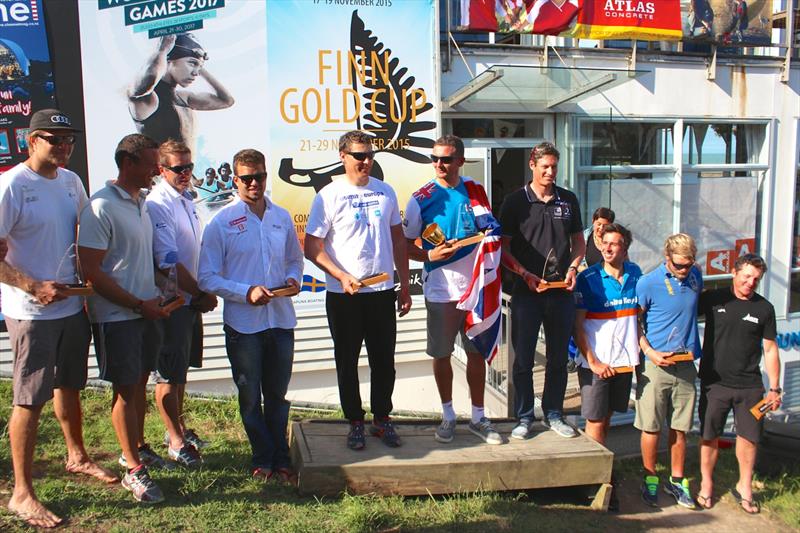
pixel 754 508
pixel 285 475
pixel 704 502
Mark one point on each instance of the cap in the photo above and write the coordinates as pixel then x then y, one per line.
pixel 186 46
pixel 51 119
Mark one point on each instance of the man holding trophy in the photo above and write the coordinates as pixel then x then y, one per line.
pixel 665 390
pixel 176 250
pixel 441 213
pixel 543 244
pixel 607 333
pixel 48 328
pixel 354 235
pixel 739 324
pixel 251 258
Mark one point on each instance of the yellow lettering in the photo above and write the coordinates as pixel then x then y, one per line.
pixel 322 66
pixel 376 66
pixel 360 69
pixel 294 118
pixel 372 103
pixel 349 95
pixel 417 94
pixel 315 94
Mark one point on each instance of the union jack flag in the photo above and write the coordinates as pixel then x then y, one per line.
pixel 482 298
pixel 424 192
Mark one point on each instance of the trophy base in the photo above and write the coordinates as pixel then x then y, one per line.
pixel 172 303
pixel 79 289
pixel 284 290
pixel 467 241
pixel 553 285
pixel 623 369
pixel 679 357
pixel 374 279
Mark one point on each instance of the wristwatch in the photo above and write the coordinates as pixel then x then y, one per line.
pixel 777 391
pixel 572 268
pixel 138 308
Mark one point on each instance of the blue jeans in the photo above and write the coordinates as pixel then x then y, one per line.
pixel 261 364
pixel 555 309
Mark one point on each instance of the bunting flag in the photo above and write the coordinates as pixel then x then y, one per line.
pixel 545 17
pixel 482 298
pixel 644 20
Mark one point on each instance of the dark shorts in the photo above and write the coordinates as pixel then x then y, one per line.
pixel 176 352
pixel 48 354
pixel 716 401
pixel 445 321
pixel 127 350
pixel 196 354
pixel 601 396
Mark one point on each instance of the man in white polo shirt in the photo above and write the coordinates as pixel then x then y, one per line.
pixel 354 231
pixel 249 247
pixel 176 249
pixel 115 245
pixel 49 332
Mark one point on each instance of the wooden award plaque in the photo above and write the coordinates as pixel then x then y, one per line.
pixel 172 304
pixel 284 290
pixel 553 285
pixel 79 289
pixel 681 356
pixel 623 369
pixel 372 280
pixel 474 239
pixel 761 408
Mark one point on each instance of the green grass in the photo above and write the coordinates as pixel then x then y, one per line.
pixel 223 497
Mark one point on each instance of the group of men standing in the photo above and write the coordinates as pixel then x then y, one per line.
pixel 130 243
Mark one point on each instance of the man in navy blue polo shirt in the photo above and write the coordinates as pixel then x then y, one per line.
pixel 542 241
pixel 665 389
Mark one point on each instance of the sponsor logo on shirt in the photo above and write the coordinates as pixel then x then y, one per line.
pixel 750 318
pixel 238 223
pixel 562 210
pixel 161 225
pixel 29 199
pixel 721 310
pixel 362 205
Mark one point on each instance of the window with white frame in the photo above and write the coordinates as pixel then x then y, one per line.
pixel 794 294
pixel 708 189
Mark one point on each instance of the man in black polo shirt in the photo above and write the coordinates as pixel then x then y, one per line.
pixel 542 241
pixel 738 323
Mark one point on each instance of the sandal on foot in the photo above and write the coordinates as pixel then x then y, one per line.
pixel 261 473
pixel 704 502
pixel 753 506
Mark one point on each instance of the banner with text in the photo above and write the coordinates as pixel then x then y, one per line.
pixel 358 68
pixel 191 70
pixel 736 22
pixel 26 75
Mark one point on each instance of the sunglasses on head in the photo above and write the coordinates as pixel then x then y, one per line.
pixel 446 159
pixel 362 156
pixel 57 139
pixel 261 176
pixel 180 169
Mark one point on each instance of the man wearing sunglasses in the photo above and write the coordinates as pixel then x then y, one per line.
pixel 354 231
pixel 665 389
pixel 49 331
pixel 158 100
pixel 447 274
pixel 176 249
pixel 250 248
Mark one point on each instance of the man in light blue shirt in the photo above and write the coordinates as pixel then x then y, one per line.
pixel 668 299
pixel 249 248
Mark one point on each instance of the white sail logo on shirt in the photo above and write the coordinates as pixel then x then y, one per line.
pixel 750 318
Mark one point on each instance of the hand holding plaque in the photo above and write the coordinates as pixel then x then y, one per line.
pixel 764 406
pixel 621 359
pixel 68 274
pixel 171 296
pixel 551 277
pixel 677 350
